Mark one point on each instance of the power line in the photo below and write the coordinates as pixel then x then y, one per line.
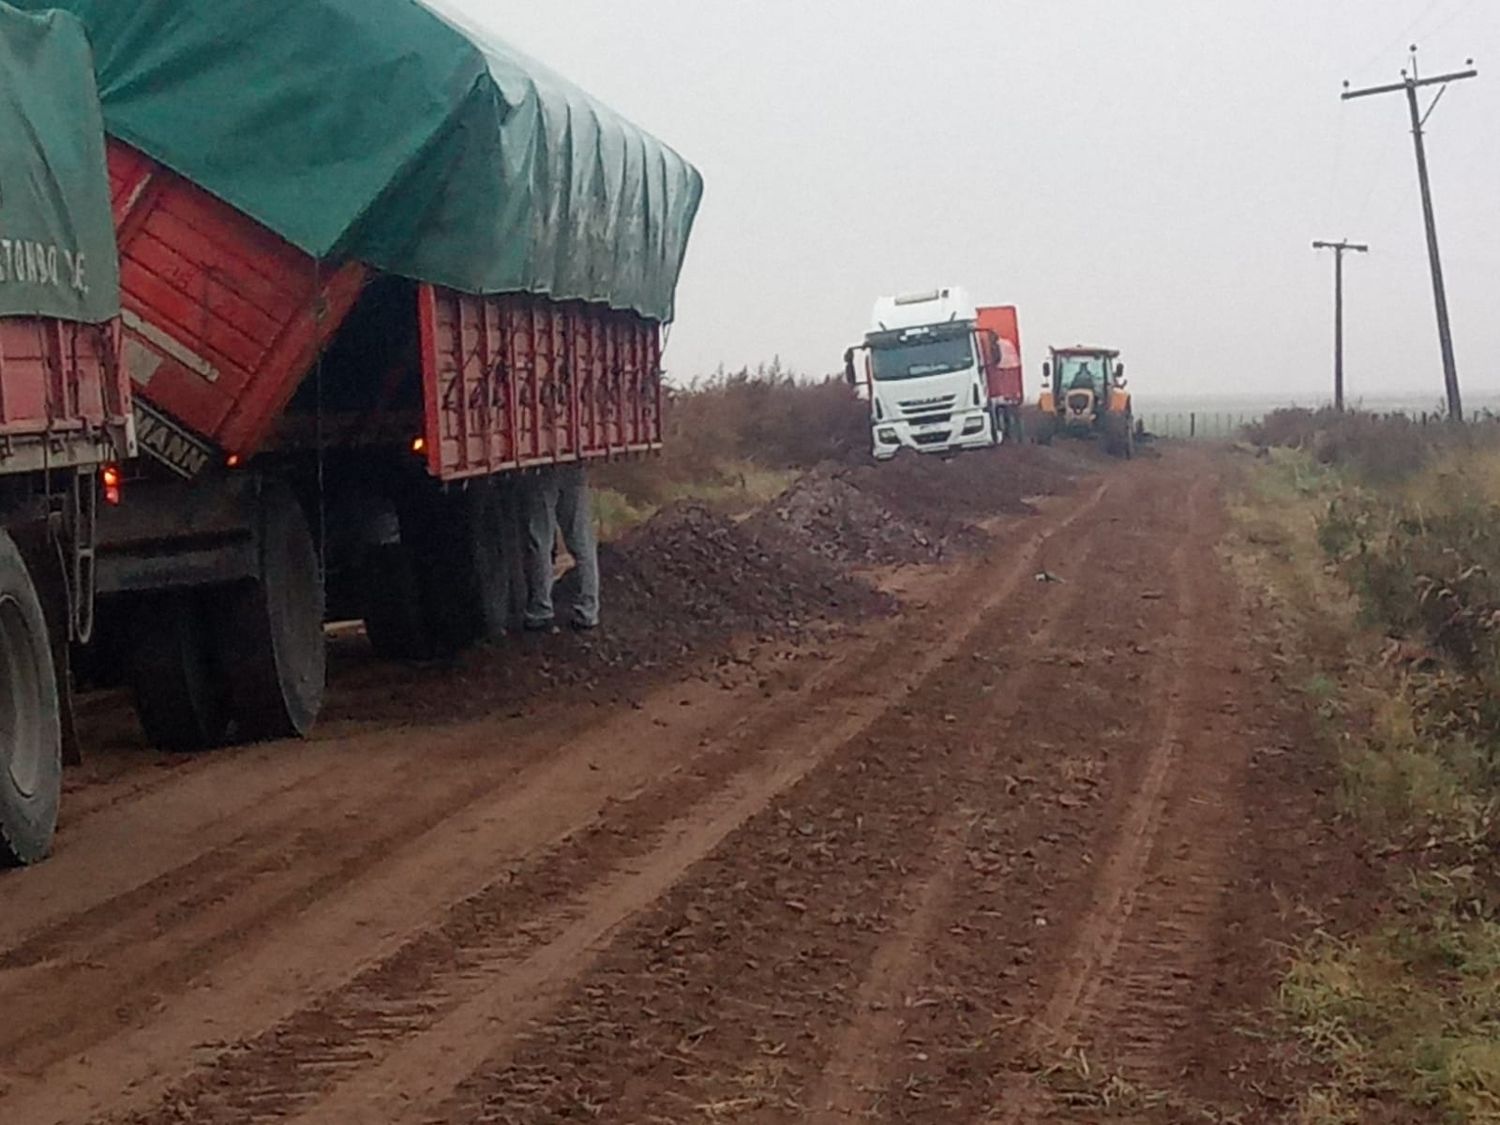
pixel 1410 83
pixel 1404 35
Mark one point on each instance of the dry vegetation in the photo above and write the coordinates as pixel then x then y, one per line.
pixel 1377 539
pixel 734 440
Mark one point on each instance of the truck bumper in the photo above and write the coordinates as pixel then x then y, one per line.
pixel 973 429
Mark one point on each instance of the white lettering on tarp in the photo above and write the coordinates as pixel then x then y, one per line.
pixel 24 262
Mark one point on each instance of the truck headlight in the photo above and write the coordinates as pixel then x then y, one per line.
pixel 973 425
pixel 886 436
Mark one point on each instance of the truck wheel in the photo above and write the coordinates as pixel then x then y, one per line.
pixel 30 728
pixel 494 545
pixel 271 641
pixel 447 583
pixel 395 620
pixel 449 563
pixel 180 691
pixel 1046 429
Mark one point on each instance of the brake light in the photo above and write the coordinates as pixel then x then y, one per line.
pixel 232 461
pixel 110 479
pixel 418 445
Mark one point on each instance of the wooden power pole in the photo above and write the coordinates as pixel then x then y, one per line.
pixel 1410 81
pixel 1338 249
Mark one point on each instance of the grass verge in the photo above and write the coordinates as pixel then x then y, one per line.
pixel 1377 569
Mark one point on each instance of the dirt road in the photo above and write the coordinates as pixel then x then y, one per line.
pixel 1004 857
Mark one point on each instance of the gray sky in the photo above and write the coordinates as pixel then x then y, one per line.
pixel 1145 174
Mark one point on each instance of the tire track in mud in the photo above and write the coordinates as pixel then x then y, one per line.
pixel 928 1039
pixel 488 825
pixel 399 1016
pixel 736 901
pixel 214 813
pixel 570 780
pixel 1133 956
pixel 1150 1013
pixel 857 1073
pixel 287 858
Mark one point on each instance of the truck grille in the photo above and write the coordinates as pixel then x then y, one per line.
pixel 930 439
pixel 937 404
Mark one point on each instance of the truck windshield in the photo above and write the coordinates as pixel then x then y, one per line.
pixel 913 359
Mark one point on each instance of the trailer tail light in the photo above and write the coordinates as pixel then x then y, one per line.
pixel 419 445
pixel 110 478
pixel 232 461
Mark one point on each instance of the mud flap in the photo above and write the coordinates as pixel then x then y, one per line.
pixel 51 588
pixel 62 669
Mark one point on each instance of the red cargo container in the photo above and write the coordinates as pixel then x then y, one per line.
pixel 513 381
pixel 64 399
pixel 224 319
pixel 1003 371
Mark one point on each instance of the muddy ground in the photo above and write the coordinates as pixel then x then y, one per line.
pixel 831 823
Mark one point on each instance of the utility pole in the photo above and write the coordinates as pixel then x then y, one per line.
pixel 1338 249
pixel 1410 81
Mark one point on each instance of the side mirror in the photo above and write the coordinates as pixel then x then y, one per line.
pixel 849 376
pixel 1046 373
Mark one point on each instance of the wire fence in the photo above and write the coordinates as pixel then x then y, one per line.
pixel 1197 425
pixel 1221 425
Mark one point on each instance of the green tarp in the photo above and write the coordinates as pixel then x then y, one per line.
pixel 378 130
pixel 57 240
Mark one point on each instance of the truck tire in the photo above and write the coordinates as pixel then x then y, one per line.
pixel 30 728
pixel 271 641
pixel 494 540
pixel 1045 430
pixel 448 571
pixel 447 583
pixel 395 617
pixel 181 693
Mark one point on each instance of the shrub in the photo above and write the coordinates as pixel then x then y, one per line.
pixel 735 438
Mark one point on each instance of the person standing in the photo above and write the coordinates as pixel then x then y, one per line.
pixel 557 500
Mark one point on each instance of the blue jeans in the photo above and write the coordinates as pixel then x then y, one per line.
pixel 557 499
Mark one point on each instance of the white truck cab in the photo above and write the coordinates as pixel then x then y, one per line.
pixel 923 375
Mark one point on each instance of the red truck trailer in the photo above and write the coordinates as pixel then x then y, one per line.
pixel 64 401
pixel 453 272
pixel 1002 366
